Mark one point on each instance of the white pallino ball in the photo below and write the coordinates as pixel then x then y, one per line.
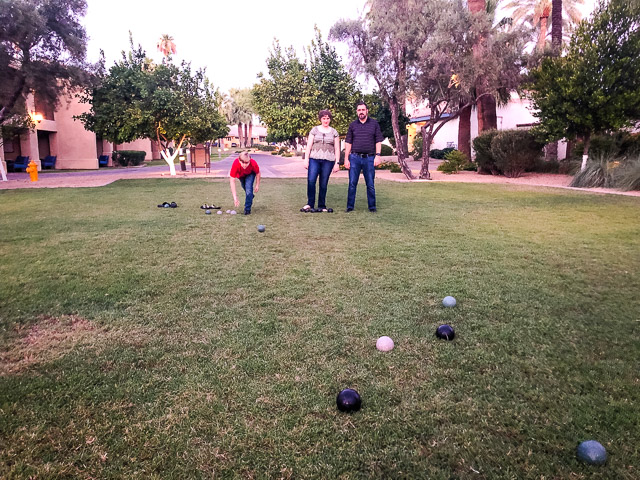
pixel 384 344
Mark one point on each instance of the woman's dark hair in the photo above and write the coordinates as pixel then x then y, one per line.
pixel 325 113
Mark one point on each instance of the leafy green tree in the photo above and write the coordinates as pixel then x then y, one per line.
pixel 282 98
pixel 289 98
pixel 166 103
pixel 334 88
pixel 447 67
pixel 596 87
pixel 383 45
pixel 42 47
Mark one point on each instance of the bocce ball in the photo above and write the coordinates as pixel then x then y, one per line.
pixel 261 228
pixel 384 344
pixel 208 212
pixel 348 401
pixel 592 452
pixel 449 301
pixel 446 332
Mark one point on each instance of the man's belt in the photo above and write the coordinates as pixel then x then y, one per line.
pixel 363 155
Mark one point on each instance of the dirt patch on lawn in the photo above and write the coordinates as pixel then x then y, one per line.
pixel 47 340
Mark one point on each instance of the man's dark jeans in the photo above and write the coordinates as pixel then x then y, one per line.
pixel 321 168
pixel 247 185
pixel 364 164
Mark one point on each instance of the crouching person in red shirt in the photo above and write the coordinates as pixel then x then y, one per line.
pixel 247 171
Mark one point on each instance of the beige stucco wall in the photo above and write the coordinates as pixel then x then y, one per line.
pixel 76 147
pixel 140 144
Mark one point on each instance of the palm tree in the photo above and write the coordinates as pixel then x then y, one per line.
pixel 556 26
pixel 241 112
pixel 536 14
pixel 166 45
pixel 486 106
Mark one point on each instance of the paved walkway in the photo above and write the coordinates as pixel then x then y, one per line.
pixel 273 166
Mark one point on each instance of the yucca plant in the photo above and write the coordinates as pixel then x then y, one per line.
pixel 598 173
pixel 628 174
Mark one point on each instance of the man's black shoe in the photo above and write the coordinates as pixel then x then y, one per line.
pixel 247 212
pixel 373 210
pixel 349 210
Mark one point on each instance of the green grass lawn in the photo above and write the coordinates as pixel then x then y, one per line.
pixel 138 342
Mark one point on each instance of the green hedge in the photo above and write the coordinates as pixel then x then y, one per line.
pixel 440 153
pixel 515 151
pixel 127 158
pixel 482 146
pixel 386 151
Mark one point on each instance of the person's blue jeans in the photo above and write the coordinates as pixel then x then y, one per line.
pixel 247 185
pixel 322 169
pixel 364 165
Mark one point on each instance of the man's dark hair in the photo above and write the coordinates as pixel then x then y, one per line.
pixel 361 102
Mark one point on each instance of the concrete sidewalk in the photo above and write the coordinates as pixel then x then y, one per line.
pixel 274 166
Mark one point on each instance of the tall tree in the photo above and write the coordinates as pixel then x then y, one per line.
pixel 450 49
pixel 289 97
pixel 596 86
pixel 42 47
pixel 383 45
pixel 536 13
pixel 166 103
pixel 556 26
pixel 486 104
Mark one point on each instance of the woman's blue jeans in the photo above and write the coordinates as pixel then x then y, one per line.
pixel 247 185
pixel 364 164
pixel 322 169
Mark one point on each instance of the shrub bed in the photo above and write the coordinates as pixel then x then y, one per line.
pixel 128 158
pixel 515 151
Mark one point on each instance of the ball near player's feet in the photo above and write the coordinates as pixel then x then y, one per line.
pixel 384 344
pixel 348 401
pixel 449 301
pixel 261 228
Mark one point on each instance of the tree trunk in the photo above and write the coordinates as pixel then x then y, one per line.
pixel 487 116
pixel 543 33
pixel 169 158
pixel 246 140
pixel 250 133
pixel 464 131
pixel 402 153
pixel 476 6
pixel 486 105
pixel 240 134
pixel 426 151
pixel 556 26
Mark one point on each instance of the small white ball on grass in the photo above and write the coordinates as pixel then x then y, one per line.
pixel 449 301
pixel 384 344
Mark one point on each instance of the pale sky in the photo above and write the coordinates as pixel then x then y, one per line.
pixel 231 38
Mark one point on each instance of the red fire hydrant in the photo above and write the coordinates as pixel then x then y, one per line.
pixel 32 170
